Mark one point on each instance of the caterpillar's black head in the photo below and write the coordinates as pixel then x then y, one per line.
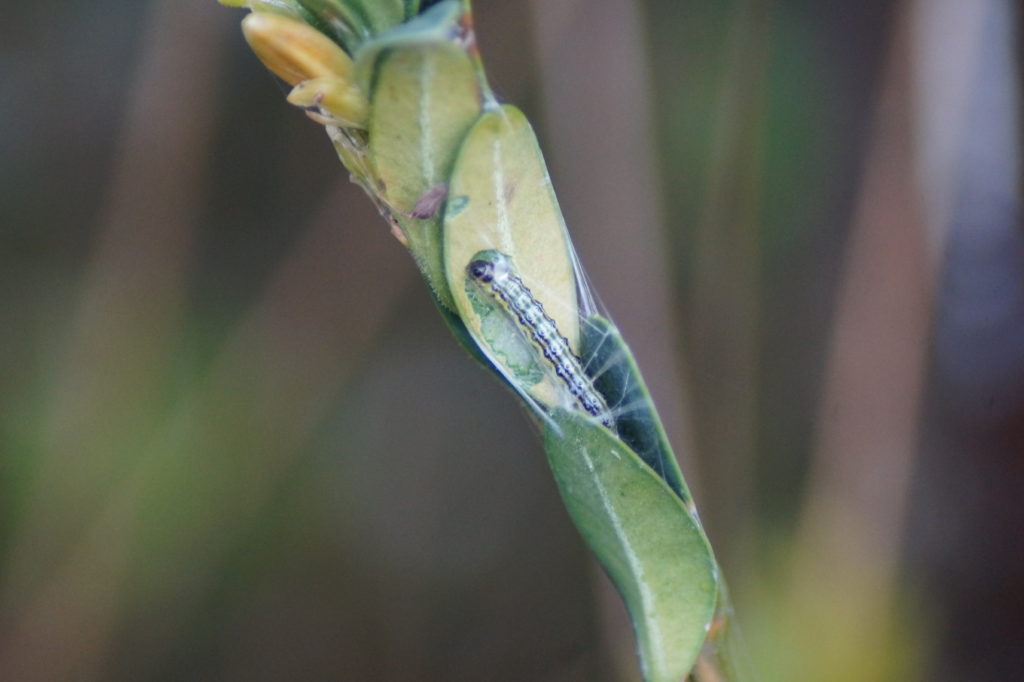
pixel 488 266
pixel 481 270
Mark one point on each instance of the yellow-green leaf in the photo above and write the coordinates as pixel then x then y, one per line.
pixel 424 102
pixel 500 197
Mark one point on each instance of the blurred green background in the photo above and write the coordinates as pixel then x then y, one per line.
pixel 237 442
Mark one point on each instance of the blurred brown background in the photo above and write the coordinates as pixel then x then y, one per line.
pixel 237 442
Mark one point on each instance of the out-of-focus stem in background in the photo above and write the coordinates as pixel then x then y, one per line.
pixel 851 526
pixel 968 511
pixel 265 392
pixel 122 340
pixel 725 293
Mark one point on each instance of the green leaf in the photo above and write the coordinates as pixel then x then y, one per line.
pixel 353 22
pixel 339 20
pixel 439 24
pixel 423 104
pixel 500 197
pixel 636 421
pixel 650 544
pixel 380 15
pixel 289 8
pixel 293 9
pixel 462 336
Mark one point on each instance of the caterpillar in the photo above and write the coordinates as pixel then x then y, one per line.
pixel 492 271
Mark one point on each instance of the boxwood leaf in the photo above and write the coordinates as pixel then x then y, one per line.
pixel 650 544
pixel 618 379
pixel 424 102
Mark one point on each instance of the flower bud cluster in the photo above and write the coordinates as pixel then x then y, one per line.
pixel 321 72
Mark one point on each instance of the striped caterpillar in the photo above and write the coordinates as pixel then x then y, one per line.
pixel 492 271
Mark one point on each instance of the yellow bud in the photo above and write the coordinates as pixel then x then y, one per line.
pixel 294 50
pixel 337 101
